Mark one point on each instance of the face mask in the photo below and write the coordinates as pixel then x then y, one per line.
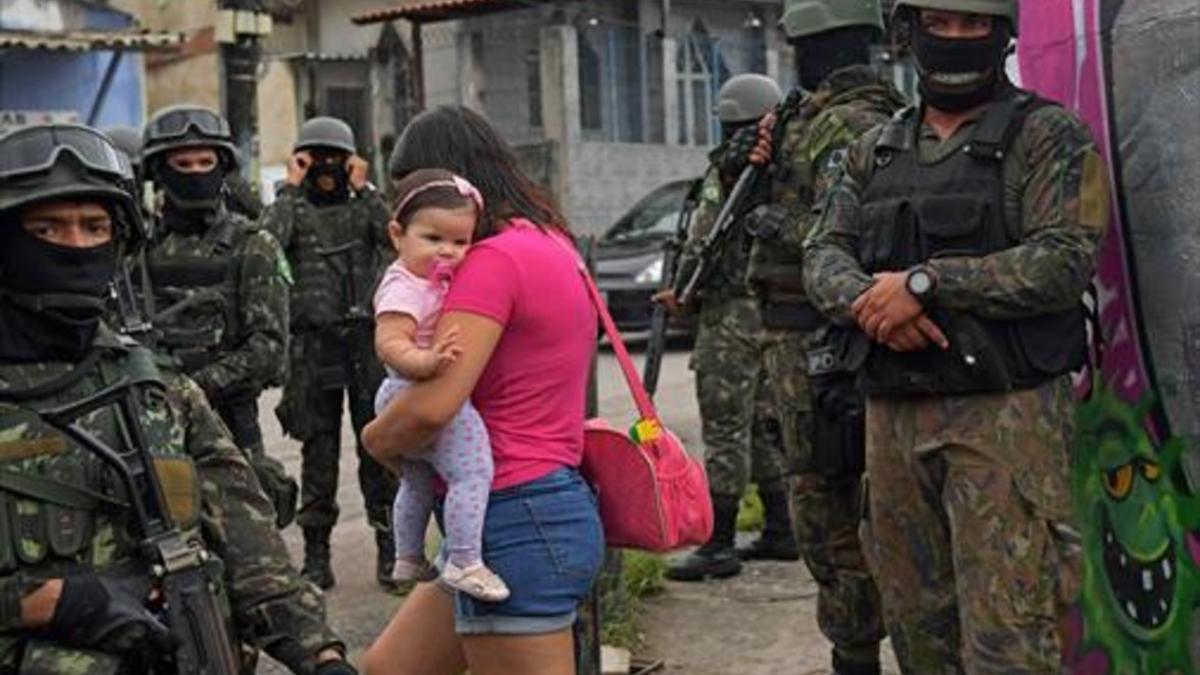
pixel 728 129
pixel 337 180
pixel 192 192
pixel 52 296
pixel 957 74
pixel 818 56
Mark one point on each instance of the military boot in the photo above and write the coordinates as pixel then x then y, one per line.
pixel 717 558
pixel 385 559
pixel 778 539
pixel 317 567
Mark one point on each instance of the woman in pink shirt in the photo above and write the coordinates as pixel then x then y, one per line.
pixel 527 331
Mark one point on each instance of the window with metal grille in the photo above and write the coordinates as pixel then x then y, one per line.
pixel 700 70
pixel 350 105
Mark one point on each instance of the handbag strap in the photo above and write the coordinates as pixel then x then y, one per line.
pixel 645 406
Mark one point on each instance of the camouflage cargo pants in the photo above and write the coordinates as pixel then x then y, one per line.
pixel 311 412
pixel 827 514
pixel 969 510
pixel 738 422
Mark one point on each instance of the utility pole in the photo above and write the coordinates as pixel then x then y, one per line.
pixel 241 24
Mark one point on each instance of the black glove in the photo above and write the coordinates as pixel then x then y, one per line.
pixel 737 154
pixel 335 667
pixel 96 613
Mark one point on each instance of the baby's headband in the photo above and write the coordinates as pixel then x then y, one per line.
pixel 459 183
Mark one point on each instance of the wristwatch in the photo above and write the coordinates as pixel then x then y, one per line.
pixel 921 282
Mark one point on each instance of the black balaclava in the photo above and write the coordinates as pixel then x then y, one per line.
pixel 335 170
pixel 959 74
pixel 192 193
pixel 728 129
pixel 51 296
pixel 819 55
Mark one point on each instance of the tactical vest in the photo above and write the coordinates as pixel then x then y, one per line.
pixel 774 270
pixel 196 296
pixel 61 507
pixel 334 262
pixel 912 212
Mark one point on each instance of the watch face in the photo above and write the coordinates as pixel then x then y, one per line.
pixel 919 282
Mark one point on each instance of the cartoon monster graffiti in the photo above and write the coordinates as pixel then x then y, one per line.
pixel 1140 606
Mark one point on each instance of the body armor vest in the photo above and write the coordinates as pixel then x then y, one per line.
pixel 335 264
pixel 914 211
pixel 195 296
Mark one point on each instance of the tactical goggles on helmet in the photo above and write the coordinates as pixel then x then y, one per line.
pixel 178 123
pixel 34 149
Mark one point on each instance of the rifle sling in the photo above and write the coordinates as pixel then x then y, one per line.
pixel 32 486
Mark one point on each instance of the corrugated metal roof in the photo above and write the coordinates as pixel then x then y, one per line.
pixel 424 11
pixel 80 41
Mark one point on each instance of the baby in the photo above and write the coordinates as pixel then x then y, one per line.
pixel 431 230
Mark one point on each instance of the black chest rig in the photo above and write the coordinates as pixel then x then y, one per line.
pixel 195 297
pixel 914 211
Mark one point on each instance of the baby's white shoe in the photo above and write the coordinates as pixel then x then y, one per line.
pixel 476 581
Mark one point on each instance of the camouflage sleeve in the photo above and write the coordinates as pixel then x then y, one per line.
pixel 708 205
pixel 378 214
pixel 1064 202
pixel 833 277
pixel 272 608
pixel 260 355
pixel 279 217
pixel 816 153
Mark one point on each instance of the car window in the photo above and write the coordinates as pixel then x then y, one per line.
pixel 657 212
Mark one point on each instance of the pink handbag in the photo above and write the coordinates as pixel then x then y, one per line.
pixel 653 495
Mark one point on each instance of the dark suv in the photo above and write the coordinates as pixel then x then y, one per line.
pixel 629 256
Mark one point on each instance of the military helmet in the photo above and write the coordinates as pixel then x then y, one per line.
pixel 325 132
pixel 187 126
pixel 747 97
pixel 69 161
pixel 1002 8
pixel 802 18
pixel 128 140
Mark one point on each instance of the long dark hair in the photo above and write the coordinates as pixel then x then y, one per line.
pixel 460 140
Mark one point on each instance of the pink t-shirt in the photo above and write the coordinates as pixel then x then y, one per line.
pixel 403 292
pixel 531 393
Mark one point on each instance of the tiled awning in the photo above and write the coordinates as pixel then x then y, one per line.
pixel 81 41
pixel 427 11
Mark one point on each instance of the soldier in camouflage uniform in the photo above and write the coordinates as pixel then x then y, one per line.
pixel 960 240
pixel 68 555
pixel 333 226
pixel 739 425
pixel 808 138
pixel 218 283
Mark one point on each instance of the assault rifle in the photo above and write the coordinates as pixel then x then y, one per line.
pixel 714 242
pixel 188 579
pixel 657 342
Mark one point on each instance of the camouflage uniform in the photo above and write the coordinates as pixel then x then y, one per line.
pixel 336 253
pixel 271 608
pixel 969 493
pixel 812 143
pixel 220 304
pixel 739 425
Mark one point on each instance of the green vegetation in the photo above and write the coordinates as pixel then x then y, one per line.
pixel 621 596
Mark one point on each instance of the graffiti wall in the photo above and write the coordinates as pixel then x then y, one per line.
pixel 1132 70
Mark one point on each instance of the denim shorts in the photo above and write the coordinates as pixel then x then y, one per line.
pixel 545 540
